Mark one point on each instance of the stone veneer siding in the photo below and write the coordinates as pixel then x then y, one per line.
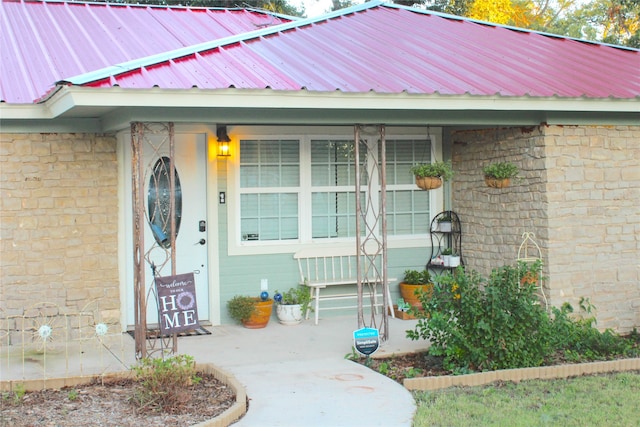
pixel 579 193
pixel 59 223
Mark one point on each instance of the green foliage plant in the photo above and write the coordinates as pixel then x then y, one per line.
pixel 478 324
pixel 575 335
pixel 164 384
pixel 443 170
pixel 241 307
pixel 445 218
pixel 415 277
pixel 16 396
pixel 73 394
pixel 501 170
pixel 298 295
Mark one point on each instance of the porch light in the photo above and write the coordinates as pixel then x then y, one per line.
pixel 223 141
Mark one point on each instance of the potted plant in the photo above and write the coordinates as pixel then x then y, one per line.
pixel 454 259
pixel 292 305
pixel 444 223
pixel 413 284
pixel 401 310
pixel 498 175
pixel 430 175
pixel 446 256
pixel 252 312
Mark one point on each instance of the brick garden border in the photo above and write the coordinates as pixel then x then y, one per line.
pixel 232 414
pixel 517 375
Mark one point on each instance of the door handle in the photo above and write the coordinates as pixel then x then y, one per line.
pixel 201 242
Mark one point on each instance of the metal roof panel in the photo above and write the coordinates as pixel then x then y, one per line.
pixel 373 47
pixel 45 42
pixel 392 49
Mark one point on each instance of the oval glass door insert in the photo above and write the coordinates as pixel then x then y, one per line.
pixel 159 202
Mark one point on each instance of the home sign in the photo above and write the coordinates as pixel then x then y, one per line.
pixel 177 307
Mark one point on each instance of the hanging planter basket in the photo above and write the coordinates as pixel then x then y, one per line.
pixel 428 182
pixel 497 182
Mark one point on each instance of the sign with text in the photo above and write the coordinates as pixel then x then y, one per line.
pixel 177 308
pixel 366 340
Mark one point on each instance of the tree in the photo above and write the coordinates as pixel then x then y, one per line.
pixel 608 21
pixel 498 11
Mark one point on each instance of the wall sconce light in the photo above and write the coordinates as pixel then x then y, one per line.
pixel 223 141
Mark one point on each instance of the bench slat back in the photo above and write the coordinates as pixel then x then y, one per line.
pixel 318 266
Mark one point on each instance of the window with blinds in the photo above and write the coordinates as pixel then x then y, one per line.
pixel 304 189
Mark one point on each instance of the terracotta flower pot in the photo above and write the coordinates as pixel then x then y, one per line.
pixel 408 293
pixel 428 182
pixel 260 316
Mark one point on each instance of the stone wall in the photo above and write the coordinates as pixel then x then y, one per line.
pixel 594 212
pixel 578 191
pixel 59 222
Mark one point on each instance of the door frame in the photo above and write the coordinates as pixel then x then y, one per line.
pixel 125 219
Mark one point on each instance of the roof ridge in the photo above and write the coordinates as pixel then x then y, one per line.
pixel 147 61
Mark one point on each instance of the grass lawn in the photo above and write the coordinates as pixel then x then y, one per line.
pixel 602 400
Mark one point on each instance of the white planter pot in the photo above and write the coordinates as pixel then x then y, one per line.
pixel 289 314
pixel 447 260
pixel 444 227
pixel 454 261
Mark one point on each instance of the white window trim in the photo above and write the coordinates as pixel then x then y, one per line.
pixel 238 247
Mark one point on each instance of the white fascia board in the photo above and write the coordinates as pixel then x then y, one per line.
pixel 70 97
pixel 24 112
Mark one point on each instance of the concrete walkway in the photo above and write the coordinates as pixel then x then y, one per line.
pixel 293 375
pixel 298 375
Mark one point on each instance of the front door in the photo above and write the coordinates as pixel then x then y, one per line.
pixel 190 161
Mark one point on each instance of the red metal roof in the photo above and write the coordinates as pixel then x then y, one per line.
pixel 369 48
pixel 44 42
pixel 390 50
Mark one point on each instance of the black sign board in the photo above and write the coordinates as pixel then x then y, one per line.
pixel 177 308
pixel 366 340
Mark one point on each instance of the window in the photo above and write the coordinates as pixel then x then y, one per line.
pixel 270 185
pixel 407 208
pixel 333 196
pixel 299 190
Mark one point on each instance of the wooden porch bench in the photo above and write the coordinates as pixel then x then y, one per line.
pixel 336 268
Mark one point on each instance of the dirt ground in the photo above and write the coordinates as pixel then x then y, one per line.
pixel 109 405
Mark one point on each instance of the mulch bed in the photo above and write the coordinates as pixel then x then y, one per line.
pixel 109 404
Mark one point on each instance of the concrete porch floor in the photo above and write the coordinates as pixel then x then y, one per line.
pixel 294 375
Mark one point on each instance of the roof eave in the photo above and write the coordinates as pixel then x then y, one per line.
pixel 109 109
pixel 69 97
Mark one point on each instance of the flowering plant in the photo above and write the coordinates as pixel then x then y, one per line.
pixel 484 324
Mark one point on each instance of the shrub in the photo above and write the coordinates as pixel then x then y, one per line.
pixel 498 323
pixel 578 339
pixel 164 383
pixel 479 324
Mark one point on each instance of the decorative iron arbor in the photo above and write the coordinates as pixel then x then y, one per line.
pixel 152 166
pixel 371 223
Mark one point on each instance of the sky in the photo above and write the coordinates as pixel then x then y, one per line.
pixel 316 7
